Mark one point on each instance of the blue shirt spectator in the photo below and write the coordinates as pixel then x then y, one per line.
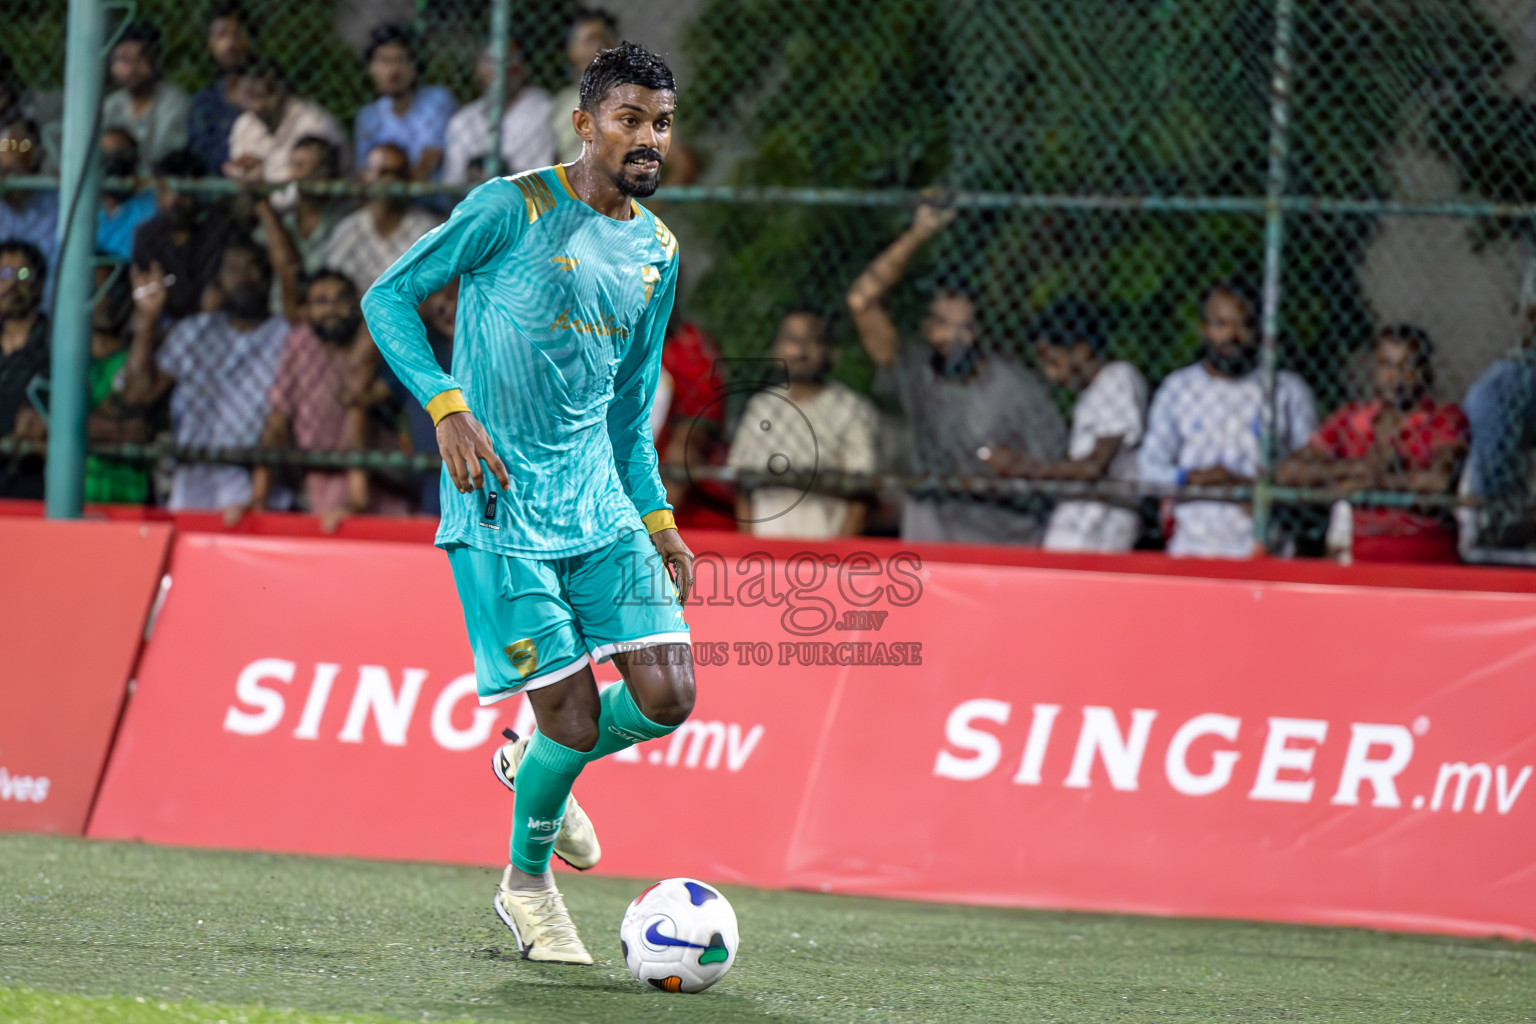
pixel 28 216
pixel 407 115
pixel 1501 406
pixel 120 212
pixel 214 108
pixel 211 118
pixel 114 231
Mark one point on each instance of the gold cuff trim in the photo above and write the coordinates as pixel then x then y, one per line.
pixel 659 520
pixel 450 401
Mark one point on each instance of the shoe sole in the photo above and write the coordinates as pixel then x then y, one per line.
pixel 496 771
pixel 522 948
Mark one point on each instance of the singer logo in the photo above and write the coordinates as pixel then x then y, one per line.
pixel 698 743
pixel 1377 755
pixel 385 704
pixel 378 706
pixel 23 788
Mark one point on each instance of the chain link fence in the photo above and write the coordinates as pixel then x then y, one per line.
pixel 1208 213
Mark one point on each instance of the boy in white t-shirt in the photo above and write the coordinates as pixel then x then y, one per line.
pixel 1107 426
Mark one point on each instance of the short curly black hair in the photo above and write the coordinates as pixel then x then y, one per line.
pixel 331 274
pixel 403 35
pixel 1416 338
pixel 1066 322
pixel 146 33
pixel 625 64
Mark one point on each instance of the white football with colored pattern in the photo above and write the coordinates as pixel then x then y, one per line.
pixel 679 935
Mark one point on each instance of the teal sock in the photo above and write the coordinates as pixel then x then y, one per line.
pixel 621 724
pixel 544 779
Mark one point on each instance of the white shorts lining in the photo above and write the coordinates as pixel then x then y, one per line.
pixel 539 682
pixel 604 652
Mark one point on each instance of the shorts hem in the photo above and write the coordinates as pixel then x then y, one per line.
pixel 537 682
pixel 603 652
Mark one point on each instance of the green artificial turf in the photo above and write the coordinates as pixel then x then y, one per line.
pixel 210 936
pixel 34 1007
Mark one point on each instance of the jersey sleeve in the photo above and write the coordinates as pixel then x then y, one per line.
pixel 634 389
pixel 1122 411
pixel 482 228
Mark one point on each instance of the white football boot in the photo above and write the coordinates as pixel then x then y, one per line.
pixel 540 923
pixel 577 842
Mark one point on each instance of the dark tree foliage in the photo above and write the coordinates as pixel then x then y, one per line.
pixel 1100 98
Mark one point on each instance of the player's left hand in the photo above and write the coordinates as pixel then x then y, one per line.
pixel 677 559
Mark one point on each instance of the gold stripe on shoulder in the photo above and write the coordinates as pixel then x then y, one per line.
pixel 666 238
pixel 538 190
pixel 544 190
pixel 535 208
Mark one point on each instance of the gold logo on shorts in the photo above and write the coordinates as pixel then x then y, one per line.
pixel 524 657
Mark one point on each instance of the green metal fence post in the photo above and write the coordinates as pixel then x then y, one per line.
pixel 79 180
pixel 1274 236
pixel 501 28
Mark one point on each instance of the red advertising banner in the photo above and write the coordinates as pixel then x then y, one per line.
pixel 1193 747
pixel 72 614
pixel 319 697
pixel 875 720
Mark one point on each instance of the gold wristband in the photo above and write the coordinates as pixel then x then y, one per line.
pixel 659 520
pixel 447 402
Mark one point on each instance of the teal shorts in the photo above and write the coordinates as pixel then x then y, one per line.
pixel 533 622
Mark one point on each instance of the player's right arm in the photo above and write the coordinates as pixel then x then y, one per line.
pixel 866 296
pixel 483 227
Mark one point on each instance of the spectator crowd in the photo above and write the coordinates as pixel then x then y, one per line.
pixel 231 321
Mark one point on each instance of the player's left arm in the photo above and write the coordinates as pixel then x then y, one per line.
pixel 475 238
pixel 629 430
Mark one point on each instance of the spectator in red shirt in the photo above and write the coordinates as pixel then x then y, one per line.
pixel 687 421
pixel 1403 440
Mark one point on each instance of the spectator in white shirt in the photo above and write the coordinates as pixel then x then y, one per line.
pixel 527 138
pixel 805 425
pixel 263 138
pixel 1205 426
pixel 1107 426
pixel 367 241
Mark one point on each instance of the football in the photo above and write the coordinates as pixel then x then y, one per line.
pixel 679 935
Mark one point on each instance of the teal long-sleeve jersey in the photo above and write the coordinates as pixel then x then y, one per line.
pixel 556 351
